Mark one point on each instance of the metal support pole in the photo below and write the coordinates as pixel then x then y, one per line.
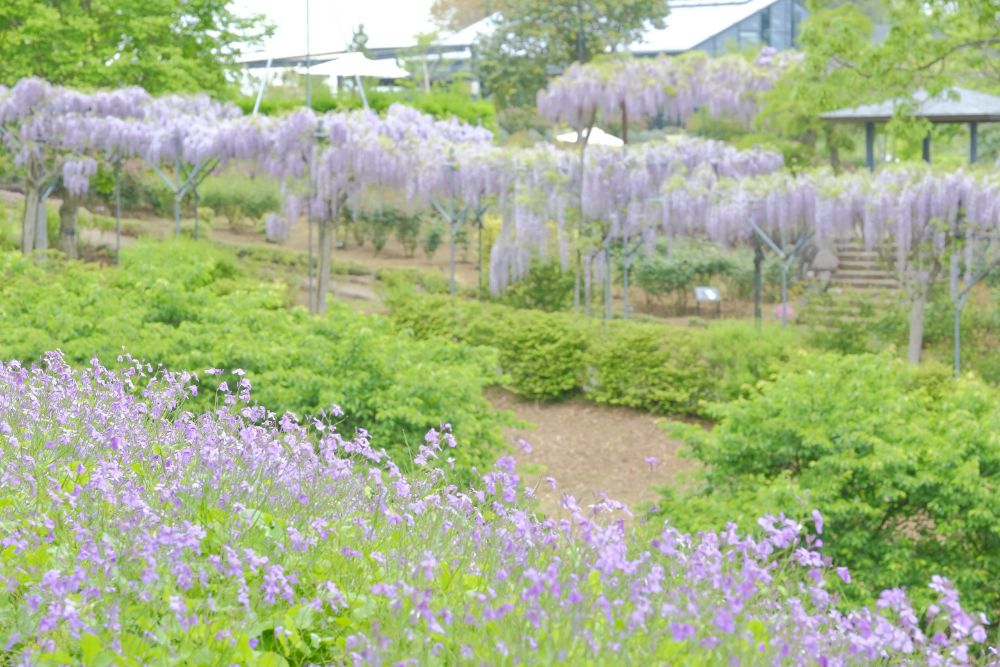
pixel 452 288
pixel 178 193
pixel 758 261
pixel 784 295
pixel 870 146
pixel 958 334
pixel 926 151
pixel 973 142
pixel 361 89
pixel 197 200
pixel 118 211
pixel 263 84
pixel 309 198
pixel 308 62
pixel 479 219
pixel 607 280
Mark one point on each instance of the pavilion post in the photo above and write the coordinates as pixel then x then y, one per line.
pixel 973 142
pixel 870 146
pixel 926 152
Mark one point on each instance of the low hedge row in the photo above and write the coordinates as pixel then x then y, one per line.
pixel 660 368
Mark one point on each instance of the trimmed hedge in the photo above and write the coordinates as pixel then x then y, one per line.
pixel 660 368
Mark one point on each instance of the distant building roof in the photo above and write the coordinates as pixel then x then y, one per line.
pixel 956 105
pixel 467 35
pixel 692 22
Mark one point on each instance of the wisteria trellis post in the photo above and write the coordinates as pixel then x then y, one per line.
pixel 455 217
pixel 181 183
pixel 787 258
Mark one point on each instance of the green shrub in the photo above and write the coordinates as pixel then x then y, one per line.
pixel 904 463
pixel 406 280
pixel 193 306
pixel 389 221
pixel 434 235
pixel 540 357
pixel 662 368
pixel 646 367
pixel 240 198
pixel 545 287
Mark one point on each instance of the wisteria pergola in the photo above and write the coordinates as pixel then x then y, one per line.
pixel 955 105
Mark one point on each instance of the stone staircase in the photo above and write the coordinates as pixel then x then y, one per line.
pixel 859 268
pixel 859 289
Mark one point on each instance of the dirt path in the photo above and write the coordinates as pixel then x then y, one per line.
pixel 592 448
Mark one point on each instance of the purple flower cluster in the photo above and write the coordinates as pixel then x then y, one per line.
pixel 134 528
pixel 676 87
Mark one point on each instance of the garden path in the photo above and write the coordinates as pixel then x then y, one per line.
pixel 590 448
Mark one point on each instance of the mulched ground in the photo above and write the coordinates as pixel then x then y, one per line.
pixel 591 448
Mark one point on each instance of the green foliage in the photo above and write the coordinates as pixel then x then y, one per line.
pixel 534 37
pixel 168 45
pixel 406 280
pixel 239 197
pixel 433 237
pixel 388 221
pixel 676 269
pixel 903 461
pixel 845 65
pixel 661 368
pixel 193 306
pixel 541 356
pixel 545 287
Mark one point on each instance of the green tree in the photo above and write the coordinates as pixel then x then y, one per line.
pixel 535 38
pixel 925 45
pixel 161 45
pixel 458 14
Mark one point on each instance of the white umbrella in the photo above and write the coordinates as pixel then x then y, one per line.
pixel 357 64
pixel 597 137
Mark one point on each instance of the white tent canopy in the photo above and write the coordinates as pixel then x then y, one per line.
pixel 597 137
pixel 357 64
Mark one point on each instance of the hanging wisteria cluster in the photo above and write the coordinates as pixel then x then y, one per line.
pixel 135 530
pixel 552 202
pixel 615 195
pixel 674 87
pixel 906 208
pixel 326 162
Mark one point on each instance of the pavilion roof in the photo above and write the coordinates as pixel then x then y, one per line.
pixel 955 105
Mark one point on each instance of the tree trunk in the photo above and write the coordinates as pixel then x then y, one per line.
pixel 325 252
pixel 576 284
pixel 917 308
pixel 624 123
pixel 607 281
pixel 41 228
pixel 31 194
pixel 67 225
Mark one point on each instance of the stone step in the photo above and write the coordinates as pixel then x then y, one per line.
pixel 859 257
pixel 868 272
pixel 865 283
pixel 861 264
pixel 859 245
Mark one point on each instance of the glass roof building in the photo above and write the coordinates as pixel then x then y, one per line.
pixel 713 26
pixel 722 26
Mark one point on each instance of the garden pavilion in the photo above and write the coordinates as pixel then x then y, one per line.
pixel 955 105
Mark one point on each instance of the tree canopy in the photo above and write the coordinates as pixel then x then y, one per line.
pixel 164 45
pixel 856 52
pixel 536 38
